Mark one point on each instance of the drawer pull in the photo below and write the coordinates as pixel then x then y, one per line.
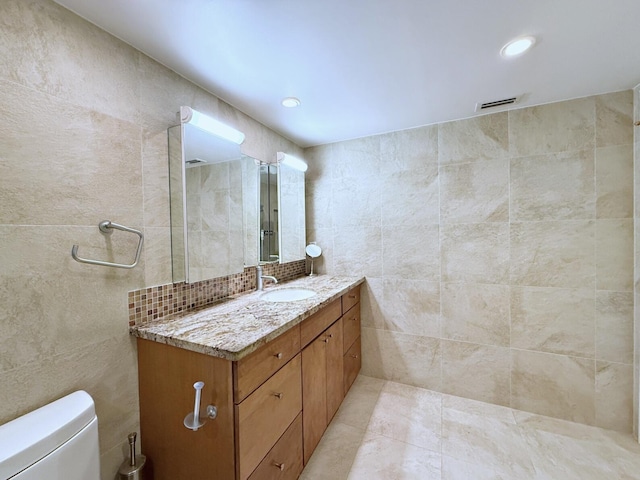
pixel 279 465
pixel 279 395
pixel 354 356
pixel 352 296
pixel 278 355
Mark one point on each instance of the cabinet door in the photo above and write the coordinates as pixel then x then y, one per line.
pixel 335 368
pixel 314 394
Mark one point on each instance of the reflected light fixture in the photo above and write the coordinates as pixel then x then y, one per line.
pixel 291 161
pixel 517 46
pixel 211 125
pixel 290 102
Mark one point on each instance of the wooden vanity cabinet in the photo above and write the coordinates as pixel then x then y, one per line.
pixel 323 369
pixel 322 384
pixel 352 361
pixel 273 405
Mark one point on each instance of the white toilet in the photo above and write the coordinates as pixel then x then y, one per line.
pixel 56 442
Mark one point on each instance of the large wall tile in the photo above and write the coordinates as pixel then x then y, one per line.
pixel 357 251
pixel 553 254
pixel 566 194
pixel 77 165
pixel 614 118
pixel 475 192
pixel 155 174
pixel 356 202
pixel 614 396
pixel 614 182
pixel 371 303
pixel 479 138
pixel 411 252
pixel 553 385
pixel 554 320
pixel 157 256
pixel 475 312
pixel 357 158
pixel 409 150
pixel 551 128
pixel 475 253
pixel 480 372
pixel 49 49
pixel 411 306
pixel 614 326
pixel 402 358
pixel 410 197
pixel 614 249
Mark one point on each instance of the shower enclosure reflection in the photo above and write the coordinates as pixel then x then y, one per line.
pixel 269 246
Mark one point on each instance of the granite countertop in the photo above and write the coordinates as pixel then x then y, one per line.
pixel 236 327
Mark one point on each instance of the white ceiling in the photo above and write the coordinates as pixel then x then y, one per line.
pixel 362 67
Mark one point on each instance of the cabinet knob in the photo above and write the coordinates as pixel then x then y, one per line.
pixel 278 355
pixel 279 395
pixel 279 465
pixel 354 356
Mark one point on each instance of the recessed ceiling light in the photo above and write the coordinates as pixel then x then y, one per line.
pixel 290 102
pixel 517 46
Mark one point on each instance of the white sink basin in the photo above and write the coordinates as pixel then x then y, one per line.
pixel 287 295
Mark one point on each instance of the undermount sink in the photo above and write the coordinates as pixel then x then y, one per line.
pixel 287 295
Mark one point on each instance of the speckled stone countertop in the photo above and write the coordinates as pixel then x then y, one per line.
pixel 236 327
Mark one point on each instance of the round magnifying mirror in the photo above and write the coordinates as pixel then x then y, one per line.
pixel 313 250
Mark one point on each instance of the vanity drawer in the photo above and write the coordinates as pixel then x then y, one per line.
pixel 265 415
pixel 284 461
pixel 352 363
pixel 254 369
pixel 318 322
pixel 351 327
pixel 350 298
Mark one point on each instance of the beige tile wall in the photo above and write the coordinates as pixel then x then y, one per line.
pixel 498 253
pixel 83 138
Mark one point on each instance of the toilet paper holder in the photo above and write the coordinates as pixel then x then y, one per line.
pixel 193 421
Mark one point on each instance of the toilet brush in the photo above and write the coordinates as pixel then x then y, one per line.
pixel 131 469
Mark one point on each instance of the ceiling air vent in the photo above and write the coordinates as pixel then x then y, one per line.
pixel 497 103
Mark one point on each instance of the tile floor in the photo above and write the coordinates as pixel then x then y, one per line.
pixel 386 430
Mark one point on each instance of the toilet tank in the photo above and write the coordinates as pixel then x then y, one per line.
pixel 56 442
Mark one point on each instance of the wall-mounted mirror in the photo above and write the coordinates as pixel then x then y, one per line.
pixel 217 226
pixel 281 226
pixel 268 213
pixel 206 185
pixel 292 213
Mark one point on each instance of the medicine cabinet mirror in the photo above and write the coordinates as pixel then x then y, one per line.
pixel 221 212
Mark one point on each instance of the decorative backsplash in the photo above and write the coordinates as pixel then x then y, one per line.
pixel 157 302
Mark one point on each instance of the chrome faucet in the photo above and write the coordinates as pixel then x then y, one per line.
pixel 260 278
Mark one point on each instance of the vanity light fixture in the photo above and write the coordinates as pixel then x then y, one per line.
pixel 290 102
pixel 211 125
pixel 517 46
pixel 291 161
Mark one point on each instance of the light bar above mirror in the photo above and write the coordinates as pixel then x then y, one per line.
pixel 291 161
pixel 211 125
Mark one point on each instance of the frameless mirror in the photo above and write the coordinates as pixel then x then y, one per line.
pixel 268 212
pixel 281 225
pixel 206 186
pixel 228 210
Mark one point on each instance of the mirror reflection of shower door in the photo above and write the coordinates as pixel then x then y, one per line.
pixel 269 249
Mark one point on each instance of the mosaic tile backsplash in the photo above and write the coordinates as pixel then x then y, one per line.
pixel 161 301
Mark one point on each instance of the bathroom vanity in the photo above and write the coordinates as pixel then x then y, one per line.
pixel 276 372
